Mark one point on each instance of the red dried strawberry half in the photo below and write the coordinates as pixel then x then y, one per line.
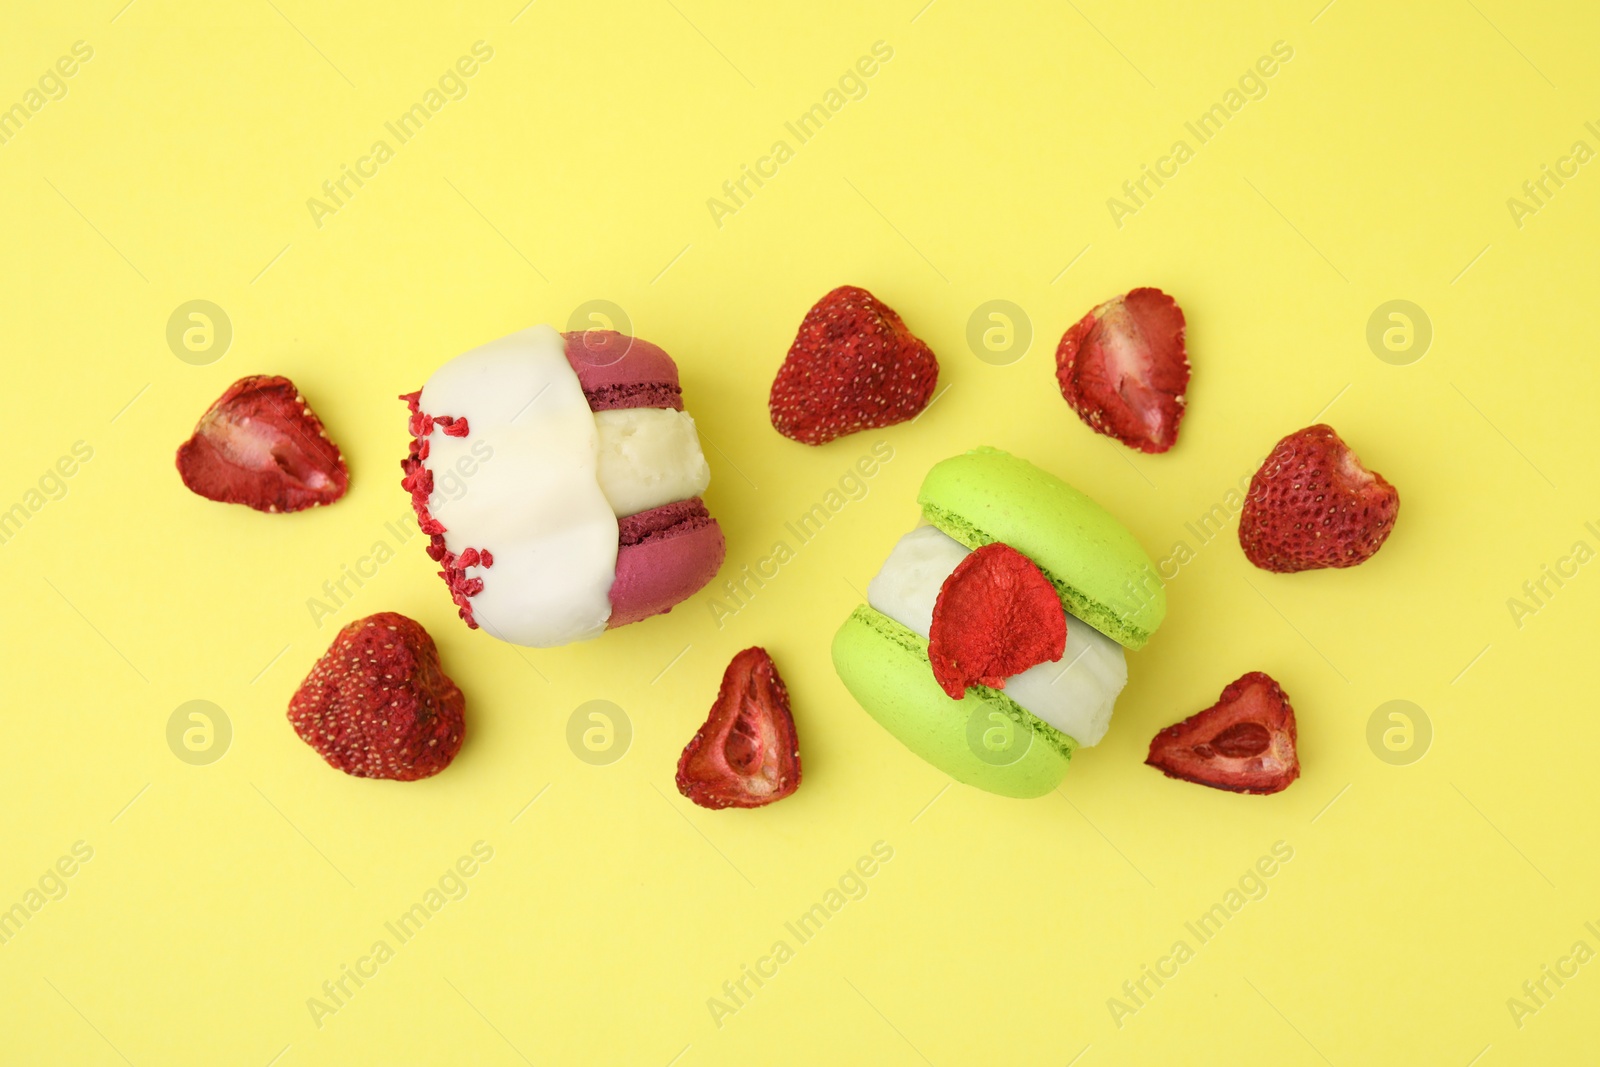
pixel 1312 504
pixel 378 704
pixel 1123 369
pixel 1244 742
pixel 853 366
pixel 746 755
pixel 261 444
pixel 996 616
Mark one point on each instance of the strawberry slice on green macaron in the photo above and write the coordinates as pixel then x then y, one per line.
pixel 997 615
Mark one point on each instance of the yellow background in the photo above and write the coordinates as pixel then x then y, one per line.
pixel 977 167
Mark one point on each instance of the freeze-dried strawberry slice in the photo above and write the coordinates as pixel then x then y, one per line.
pixel 260 444
pixel 746 755
pixel 996 616
pixel 853 366
pixel 1124 370
pixel 378 704
pixel 1312 504
pixel 1244 742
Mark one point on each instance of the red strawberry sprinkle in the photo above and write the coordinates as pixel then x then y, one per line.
pixel 1245 742
pixel 746 755
pixel 418 481
pixel 996 616
pixel 852 366
pixel 1312 504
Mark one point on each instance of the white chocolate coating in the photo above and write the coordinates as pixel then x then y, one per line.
pixel 537 502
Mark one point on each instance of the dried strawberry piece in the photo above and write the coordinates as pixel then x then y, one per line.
pixel 853 366
pixel 746 755
pixel 1245 742
pixel 996 616
pixel 260 444
pixel 1312 504
pixel 1124 370
pixel 378 704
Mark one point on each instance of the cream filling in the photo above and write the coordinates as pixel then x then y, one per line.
pixel 535 501
pixel 1075 694
pixel 649 457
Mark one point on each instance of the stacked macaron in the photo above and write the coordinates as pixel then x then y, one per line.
pixel 1107 589
pixel 574 479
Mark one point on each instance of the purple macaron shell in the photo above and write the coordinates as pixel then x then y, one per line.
pixel 618 371
pixel 664 556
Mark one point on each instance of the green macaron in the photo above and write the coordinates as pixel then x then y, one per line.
pixel 1103 577
pixel 1101 572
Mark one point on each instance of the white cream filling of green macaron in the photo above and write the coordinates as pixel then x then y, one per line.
pixel 1075 694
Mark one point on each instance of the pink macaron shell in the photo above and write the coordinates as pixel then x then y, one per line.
pixel 668 553
pixel 665 556
pixel 618 371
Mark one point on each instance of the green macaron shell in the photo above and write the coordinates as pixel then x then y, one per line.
pixel 1103 575
pixel 885 667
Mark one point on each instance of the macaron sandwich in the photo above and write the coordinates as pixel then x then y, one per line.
pixel 558 479
pixel 959 651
